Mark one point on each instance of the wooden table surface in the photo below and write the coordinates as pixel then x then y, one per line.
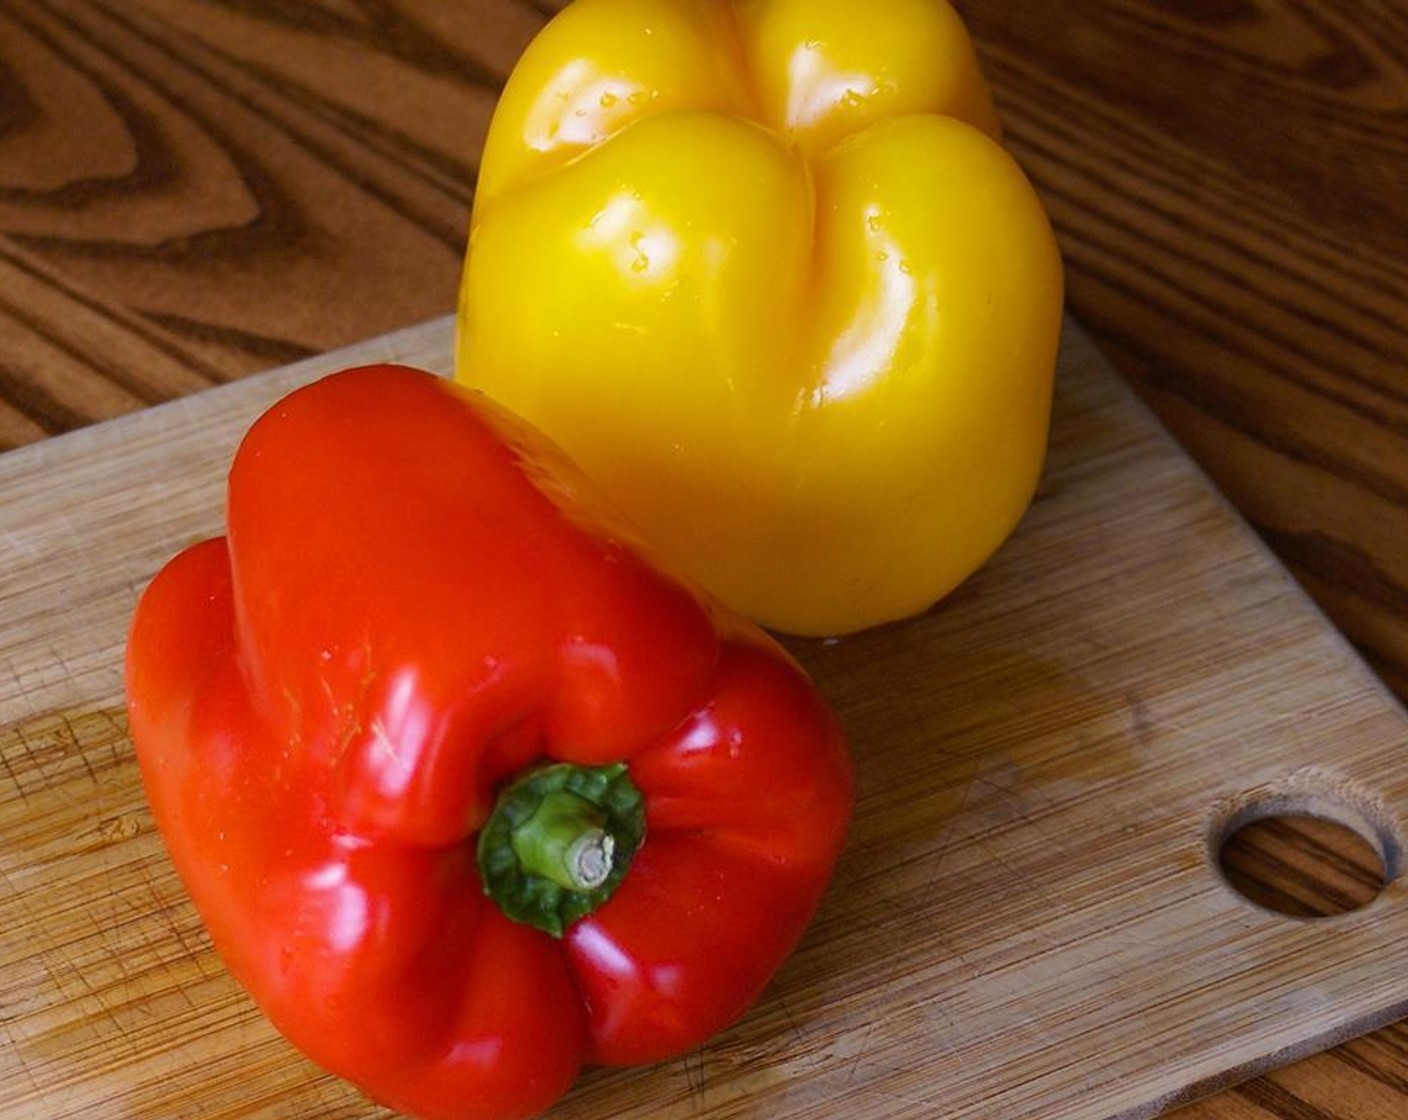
pixel 195 190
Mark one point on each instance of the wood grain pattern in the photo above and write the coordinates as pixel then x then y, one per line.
pixel 194 190
pixel 1028 920
pixel 1229 182
pixel 228 185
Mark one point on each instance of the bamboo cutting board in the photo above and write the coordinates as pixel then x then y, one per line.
pixel 1028 920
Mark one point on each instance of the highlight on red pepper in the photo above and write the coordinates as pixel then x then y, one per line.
pixel 765 270
pixel 467 791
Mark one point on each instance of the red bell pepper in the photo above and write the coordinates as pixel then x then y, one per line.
pixel 467 792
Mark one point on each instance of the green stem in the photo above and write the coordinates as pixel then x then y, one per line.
pixel 559 842
pixel 563 841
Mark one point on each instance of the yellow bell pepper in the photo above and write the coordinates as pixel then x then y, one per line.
pixel 763 268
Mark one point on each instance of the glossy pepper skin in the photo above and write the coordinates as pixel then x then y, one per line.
pixel 763 268
pixel 417 602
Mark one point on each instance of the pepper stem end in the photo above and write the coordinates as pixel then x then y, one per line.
pixel 559 841
pixel 589 859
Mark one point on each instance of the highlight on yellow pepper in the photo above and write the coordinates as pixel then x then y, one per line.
pixel 765 270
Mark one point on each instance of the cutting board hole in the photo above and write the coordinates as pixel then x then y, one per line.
pixel 1305 861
